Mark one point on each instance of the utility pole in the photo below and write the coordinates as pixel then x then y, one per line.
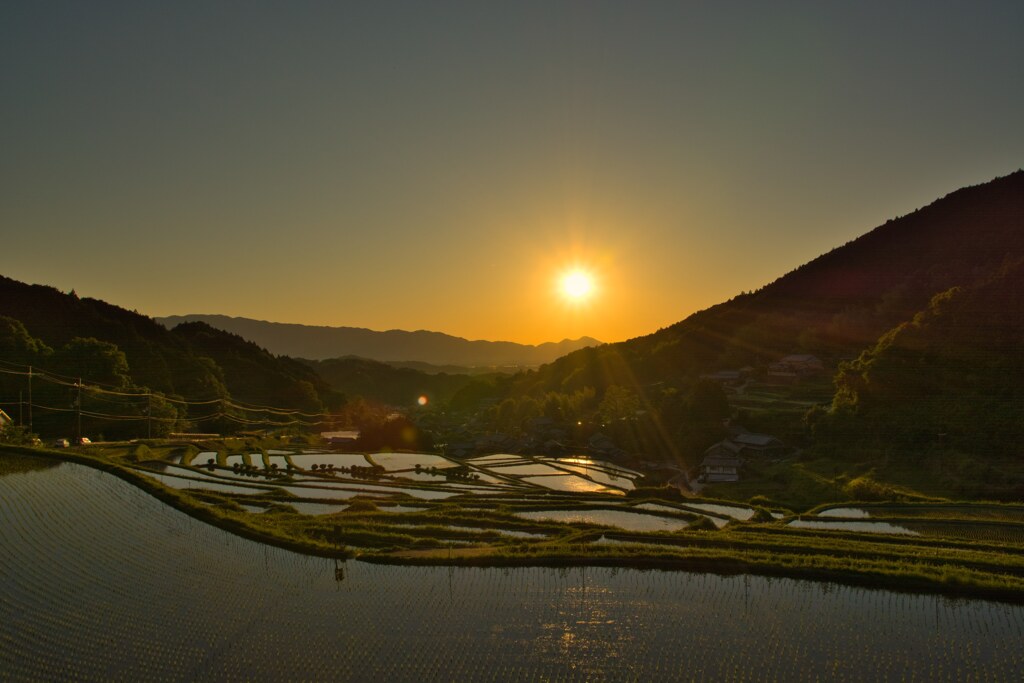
pixel 21 409
pixel 149 416
pixel 31 431
pixel 78 406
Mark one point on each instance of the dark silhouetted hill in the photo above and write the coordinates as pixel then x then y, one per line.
pixel 193 361
pixel 951 377
pixel 834 306
pixel 383 382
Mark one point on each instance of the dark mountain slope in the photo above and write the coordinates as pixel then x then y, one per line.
pixel 253 375
pixel 157 359
pixel 382 382
pixel 953 377
pixel 193 361
pixel 834 306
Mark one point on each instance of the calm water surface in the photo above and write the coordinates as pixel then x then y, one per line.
pixel 103 582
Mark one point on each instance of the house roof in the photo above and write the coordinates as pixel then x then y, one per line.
pixel 4 417
pixel 750 439
pixel 799 358
pixel 725 445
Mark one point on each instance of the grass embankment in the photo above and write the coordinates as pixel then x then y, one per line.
pixel 485 530
pixel 815 478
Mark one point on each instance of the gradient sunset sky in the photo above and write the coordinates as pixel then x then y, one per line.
pixel 437 165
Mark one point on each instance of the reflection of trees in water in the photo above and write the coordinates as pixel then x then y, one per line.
pixel 15 463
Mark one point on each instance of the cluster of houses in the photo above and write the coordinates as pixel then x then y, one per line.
pixel 723 460
pixel 795 367
pixel 789 369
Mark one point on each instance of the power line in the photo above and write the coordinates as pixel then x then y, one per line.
pixel 97 388
pixel 228 409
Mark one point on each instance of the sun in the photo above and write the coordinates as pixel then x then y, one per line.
pixel 576 285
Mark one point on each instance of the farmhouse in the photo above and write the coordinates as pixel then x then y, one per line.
pixel 719 468
pixel 723 459
pixel 795 366
pixel 750 443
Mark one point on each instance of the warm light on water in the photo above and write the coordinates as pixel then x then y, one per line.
pixel 106 582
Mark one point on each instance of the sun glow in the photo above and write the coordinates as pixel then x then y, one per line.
pixel 576 285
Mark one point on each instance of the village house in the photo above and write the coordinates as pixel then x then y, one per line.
pixel 795 366
pixel 722 461
pixel 719 467
pixel 757 444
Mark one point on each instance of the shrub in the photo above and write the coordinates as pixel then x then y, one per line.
pixel 867 489
pixel 703 524
pixel 362 505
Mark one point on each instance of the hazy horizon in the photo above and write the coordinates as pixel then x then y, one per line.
pixel 442 167
pixel 159 318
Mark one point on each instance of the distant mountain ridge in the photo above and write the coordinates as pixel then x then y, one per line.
pixel 322 342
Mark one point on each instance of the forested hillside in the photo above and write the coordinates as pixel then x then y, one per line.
pixel 68 338
pixel 953 377
pixel 383 382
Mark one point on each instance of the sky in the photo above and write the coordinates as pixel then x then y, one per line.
pixel 440 165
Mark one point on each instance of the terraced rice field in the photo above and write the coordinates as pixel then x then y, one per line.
pixel 628 521
pixel 486 475
pixel 104 582
pixel 994 523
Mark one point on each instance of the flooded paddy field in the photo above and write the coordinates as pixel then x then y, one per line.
pixel 104 582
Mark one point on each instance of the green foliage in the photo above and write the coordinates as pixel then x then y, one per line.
pixel 950 377
pixel 619 403
pixel 866 488
pixel 16 436
pixel 388 384
pixel 18 346
pixel 101 362
pixel 702 524
pixel 362 505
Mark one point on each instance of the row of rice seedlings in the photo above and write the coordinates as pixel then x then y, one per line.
pixel 1008 533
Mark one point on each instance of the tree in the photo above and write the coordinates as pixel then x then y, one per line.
pixel 17 345
pixel 95 361
pixel 619 403
pixel 708 402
